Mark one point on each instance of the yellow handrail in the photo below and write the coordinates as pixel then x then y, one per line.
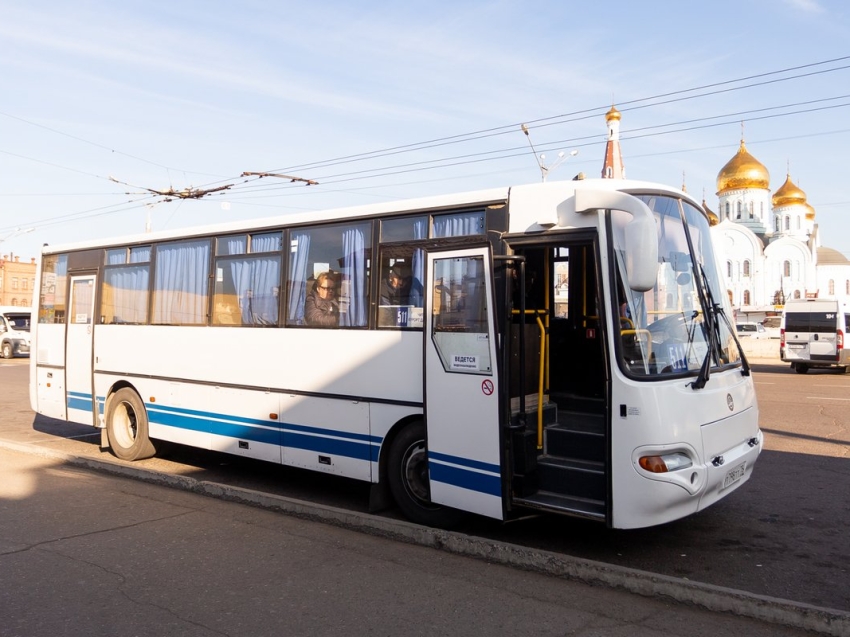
pixel 544 348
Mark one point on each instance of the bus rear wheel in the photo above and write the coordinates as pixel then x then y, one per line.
pixel 801 368
pixel 127 426
pixel 407 472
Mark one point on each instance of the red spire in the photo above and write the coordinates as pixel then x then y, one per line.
pixel 613 167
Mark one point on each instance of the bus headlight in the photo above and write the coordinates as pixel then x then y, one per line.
pixel 665 463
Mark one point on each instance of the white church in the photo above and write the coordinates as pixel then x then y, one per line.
pixel 770 245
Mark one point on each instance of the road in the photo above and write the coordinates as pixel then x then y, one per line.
pixel 783 534
pixel 84 553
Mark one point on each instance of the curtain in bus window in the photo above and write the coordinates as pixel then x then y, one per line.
pixel 459 225
pixel 298 262
pixel 125 295
pixel 141 254
pixel 265 242
pixel 116 257
pixel 354 271
pixel 180 286
pixel 417 288
pixel 234 245
pixel 257 282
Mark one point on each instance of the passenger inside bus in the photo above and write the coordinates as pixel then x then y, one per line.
pixel 321 307
pixel 395 288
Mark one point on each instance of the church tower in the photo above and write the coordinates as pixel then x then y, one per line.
pixel 792 214
pixel 613 167
pixel 743 189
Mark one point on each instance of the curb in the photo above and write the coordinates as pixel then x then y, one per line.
pixel 773 610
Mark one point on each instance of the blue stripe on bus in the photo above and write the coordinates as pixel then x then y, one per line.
pixel 332 446
pixel 79 403
pixel 325 432
pixel 208 415
pixel 465 479
pixel 358 446
pixel 79 400
pixel 465 462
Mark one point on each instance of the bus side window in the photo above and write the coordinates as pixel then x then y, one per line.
pixel 341 249
pixel 400 289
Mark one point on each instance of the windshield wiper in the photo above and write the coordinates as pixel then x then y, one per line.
pixel 745 364
pixel 714 310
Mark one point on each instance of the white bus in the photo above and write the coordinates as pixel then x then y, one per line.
pixel 560 347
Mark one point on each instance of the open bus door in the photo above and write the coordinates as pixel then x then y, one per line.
pixel 461 382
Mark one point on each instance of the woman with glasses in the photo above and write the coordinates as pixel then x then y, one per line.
pixel 321 307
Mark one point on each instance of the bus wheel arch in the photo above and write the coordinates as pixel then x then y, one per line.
pixel 126 421
pixel 406 472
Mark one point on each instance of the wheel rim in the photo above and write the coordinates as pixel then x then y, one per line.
pixel 124 424
pixel 414 474
pixel 7 350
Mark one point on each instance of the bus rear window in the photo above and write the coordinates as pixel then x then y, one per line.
pixel 810 322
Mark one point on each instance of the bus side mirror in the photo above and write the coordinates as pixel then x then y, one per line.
pixel 641 235
pixel 641 253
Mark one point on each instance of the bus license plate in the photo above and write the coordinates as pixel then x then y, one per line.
pixel 734 474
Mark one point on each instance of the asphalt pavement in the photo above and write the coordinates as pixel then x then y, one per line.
pixel 121 550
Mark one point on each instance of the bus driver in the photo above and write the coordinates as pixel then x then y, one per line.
pixel 395 289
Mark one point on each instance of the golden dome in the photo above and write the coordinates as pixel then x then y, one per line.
pixel 788 194
pixel 810 212
pixel 742 171
pixel 612 114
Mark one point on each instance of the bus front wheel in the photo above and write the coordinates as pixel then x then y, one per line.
pixel 6 351
pixel 407 472
pixel 127 426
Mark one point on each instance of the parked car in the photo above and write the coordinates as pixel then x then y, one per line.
pixel 14 331
pixel 772 325
pixel 751 330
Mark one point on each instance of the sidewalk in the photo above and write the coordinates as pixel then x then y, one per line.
pixel 83 552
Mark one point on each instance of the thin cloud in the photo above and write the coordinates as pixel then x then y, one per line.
pixel 809 6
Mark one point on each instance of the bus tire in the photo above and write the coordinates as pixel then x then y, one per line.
pixel 801 368
pixel 127 426
pixel 407 472
pixel 6 350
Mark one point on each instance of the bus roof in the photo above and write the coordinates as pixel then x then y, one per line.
pixel 528 193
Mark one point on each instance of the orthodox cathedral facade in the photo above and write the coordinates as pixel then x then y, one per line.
pixel 769 245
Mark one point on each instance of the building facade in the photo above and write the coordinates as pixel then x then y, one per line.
pixel 17 281
pixel 770 244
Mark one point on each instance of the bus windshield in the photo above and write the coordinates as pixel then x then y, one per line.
pixel 664 331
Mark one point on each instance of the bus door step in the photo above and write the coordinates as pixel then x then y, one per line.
pixel 572 478
pixel 556 502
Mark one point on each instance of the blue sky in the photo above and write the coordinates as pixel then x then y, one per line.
pixel 187 94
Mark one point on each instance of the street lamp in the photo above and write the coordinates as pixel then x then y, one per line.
pixel 562 157
pixel 544 170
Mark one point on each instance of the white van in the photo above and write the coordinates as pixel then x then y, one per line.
pixel 812 334
pixel 14 331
